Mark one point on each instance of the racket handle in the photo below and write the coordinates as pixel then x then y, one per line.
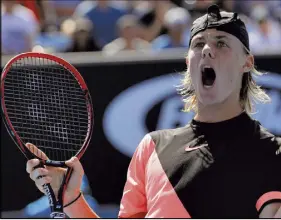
pixel 50 163
pixel 56 207
pixel 55 163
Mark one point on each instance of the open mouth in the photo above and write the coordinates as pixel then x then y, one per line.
pixel 208 77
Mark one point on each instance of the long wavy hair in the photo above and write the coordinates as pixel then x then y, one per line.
pixel 250 92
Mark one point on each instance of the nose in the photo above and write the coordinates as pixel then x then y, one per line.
pixel 207 51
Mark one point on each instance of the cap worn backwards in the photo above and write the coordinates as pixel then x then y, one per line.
pixel 223 21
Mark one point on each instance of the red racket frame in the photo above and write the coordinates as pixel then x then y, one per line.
pixel 56 206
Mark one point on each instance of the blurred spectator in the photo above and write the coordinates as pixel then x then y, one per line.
pixel 276 12
pixel 33 6
pixel 124 5
pixel 268 32
pixel 151 16
pixel 226 5
pixel 177 20
pixel 43 11
pixel 19 28
pixel 62 9
pixel 197 8
pixel 80 32
pixel 251 24
pixel 51 39
pixel 104 16
pixel 129 37
pixel 53 18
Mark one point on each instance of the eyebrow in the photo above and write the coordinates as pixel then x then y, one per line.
pixel 216 37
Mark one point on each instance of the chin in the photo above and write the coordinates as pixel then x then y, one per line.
pixel 210 99
pixel 208 102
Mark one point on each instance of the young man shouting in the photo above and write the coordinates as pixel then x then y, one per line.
pixel 223 164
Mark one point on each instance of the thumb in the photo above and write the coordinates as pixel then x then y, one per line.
pixel 76 165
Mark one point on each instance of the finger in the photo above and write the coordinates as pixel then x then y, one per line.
pixel 31 164
pixel 33 149
pixel 76 165
pixel 34 175
pixel 207 153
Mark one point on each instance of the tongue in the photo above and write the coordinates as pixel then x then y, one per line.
pixel 208 82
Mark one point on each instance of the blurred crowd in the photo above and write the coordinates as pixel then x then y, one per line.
pixel 111 26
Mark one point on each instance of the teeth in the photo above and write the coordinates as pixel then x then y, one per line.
pixel 207 87
pixel 205 66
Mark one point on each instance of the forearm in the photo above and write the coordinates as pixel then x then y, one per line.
pixel 272 210
pixel 80 209
pixel 278 213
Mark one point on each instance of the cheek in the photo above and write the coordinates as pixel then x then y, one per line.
pixel 235 67
pixel 230 81
pixel 193 61
pixel 232 61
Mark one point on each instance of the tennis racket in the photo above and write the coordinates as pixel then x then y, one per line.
pixel 46 102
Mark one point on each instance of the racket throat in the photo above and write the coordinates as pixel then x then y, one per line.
pixel 49 195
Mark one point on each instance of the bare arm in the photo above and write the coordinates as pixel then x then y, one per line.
pixel 278 213
pixel 149 33
pixel 272 210
pixel 80 209
pixel 49 11
pixel 161 7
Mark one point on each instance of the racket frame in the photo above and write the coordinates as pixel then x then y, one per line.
pixel 56 205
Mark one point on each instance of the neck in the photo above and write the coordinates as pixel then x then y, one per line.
pixel 129 44
pixel 103 5
pixel 218 112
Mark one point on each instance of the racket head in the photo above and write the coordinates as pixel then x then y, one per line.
pixel 30 80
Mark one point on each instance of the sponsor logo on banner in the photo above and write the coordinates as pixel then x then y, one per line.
pixel 124 121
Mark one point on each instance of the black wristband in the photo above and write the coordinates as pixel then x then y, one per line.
pixel 73 200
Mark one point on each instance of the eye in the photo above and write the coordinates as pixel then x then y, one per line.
pixel 199 44
pixel 221 44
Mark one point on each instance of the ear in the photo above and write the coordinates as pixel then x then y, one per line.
pixel 249 63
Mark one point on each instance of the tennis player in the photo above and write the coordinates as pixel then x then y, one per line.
pixel 223 164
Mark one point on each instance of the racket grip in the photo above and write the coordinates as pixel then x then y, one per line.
pixel 55 163
pixel 50 163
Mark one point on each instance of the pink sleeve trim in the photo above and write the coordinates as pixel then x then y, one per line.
pixel 267 197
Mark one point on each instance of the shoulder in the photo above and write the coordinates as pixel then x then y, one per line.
pixel 25 13
pixel 268 142
pixel 160 139
pixel 118 10
pixel 84 8
pixel 167 135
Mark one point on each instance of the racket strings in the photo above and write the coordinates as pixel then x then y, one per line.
pixel 47 107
